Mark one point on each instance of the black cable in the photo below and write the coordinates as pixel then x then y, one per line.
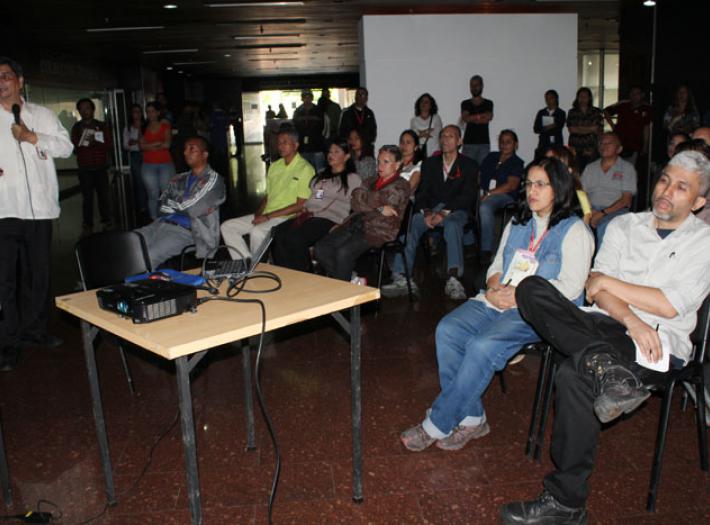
pixel 140 476
pixel 241 283
pixel 257 374
pixel 27 179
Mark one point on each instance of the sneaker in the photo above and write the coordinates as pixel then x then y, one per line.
pixel 517 358
pixel 545 510
pixel 454 289
pixel 462 435
pixel 398 286
pixel 416 439
pixel 618 389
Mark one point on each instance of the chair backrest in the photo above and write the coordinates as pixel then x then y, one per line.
pixel 107 258
pixel 701 334
pixel 406 222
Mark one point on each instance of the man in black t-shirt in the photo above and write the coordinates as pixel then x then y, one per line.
pixel 360 117
pixel 476 113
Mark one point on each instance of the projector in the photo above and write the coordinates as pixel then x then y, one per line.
pixel 148 300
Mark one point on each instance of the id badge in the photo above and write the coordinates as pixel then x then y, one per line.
pixel 305 140
pixel 524 264
pixel 492 185
pixel 320 193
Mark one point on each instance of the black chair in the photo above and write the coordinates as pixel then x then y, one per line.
pixel 691 373
pixel 107 258
pixel 4 473
pixel 397 246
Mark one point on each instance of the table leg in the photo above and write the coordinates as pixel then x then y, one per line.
pixel 188 439
pixel 88 334
pixel 248 399
pixel 356 402
pixel 4 473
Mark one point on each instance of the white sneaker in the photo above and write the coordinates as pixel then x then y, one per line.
pixel 398 286
pixel 454 289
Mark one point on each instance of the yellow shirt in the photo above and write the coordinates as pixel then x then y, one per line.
pixel 584 202
pixel 285 183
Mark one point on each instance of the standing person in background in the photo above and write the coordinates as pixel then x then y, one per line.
pixel 308 121
pixel 132 144
pixel 633 124
pixel 682 115
pixel 359 117
pixel 427 124
pixel 29 201
pixel 567 157
pixel 158 168
pixel 476 113
pixel 219 126
pixel 361 153
pixel 270 113
pixel 549 123
pixel 282 112
pixel 331 114
pixel 585 125
pixel 92 145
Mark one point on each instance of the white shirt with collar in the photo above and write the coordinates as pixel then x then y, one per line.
pixel 36 171
pixel 678 264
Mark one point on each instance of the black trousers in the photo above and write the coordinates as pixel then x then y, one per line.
pixel 291 242
pixel 90 181
pixel 573 333
pixel 338 251
pixel 24 278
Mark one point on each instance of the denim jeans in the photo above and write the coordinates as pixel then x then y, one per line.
pixel 486 217
pixel 476 152
pixel 156 178
pixel 453 235
pixel 472 342
pixel 316 159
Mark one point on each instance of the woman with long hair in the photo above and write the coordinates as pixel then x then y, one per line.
pixel 682 115
pixel 378 207
pixel 132 134
pixel 362 155
pixel 158 167
pixel 585 124
pixel 411 168
pixel 328 206
pixel 427 124
pixel 546 238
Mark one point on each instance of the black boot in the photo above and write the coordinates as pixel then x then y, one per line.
pixel 545 510
pixel 618 390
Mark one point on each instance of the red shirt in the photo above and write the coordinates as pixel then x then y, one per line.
pixel 630 124
pixel 157 156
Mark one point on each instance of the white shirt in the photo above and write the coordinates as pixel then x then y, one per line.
pixel 432 143
pixel 577 250
pixel 131 133
pixel 40 176
pixel 633 252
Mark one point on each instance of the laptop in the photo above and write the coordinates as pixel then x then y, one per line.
pixel 237 269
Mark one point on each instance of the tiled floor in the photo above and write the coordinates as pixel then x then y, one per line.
pixel 53 453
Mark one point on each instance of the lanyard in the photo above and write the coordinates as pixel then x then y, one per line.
pixel 359 116
pixel 533 246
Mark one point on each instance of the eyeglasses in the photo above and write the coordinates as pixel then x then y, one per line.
pixel 536 183
pixel 7 76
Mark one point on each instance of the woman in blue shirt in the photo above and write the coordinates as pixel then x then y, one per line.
pixel 546 238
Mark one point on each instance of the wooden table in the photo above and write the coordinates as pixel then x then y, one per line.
pixel 187 338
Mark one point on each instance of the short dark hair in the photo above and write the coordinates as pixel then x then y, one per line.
pixel 476 77
pixel 85 101
pixel 566 203
pixel 450 126
pixel 510 132
pixel 694 145
pixel 554 94
pixel 418 103
pixel 202 140
pixel 12 64
pixel 393 150
pixel 361 88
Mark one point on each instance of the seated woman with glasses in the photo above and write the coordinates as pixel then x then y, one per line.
pixel 378 207
pixel 546 238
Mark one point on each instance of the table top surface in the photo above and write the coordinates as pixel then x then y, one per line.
pixel 302 296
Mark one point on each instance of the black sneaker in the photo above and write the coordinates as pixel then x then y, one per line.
pixel 619 391
pixel 545 510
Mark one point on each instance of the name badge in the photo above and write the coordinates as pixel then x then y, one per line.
pixel 99 136
pixel 524 264
pixel 320 194
pixel 492 185
pixel 305 140
pixel 618 175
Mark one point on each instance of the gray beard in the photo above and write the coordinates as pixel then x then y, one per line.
pixel 662 216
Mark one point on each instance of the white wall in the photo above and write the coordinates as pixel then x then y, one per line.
pixel 518 56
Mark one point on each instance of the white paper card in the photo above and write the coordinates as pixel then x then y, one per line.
pixel 663 364
pixel 547 120
pixel 524 264
pixel 99 136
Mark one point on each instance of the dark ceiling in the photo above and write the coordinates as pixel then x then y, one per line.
pixel 308 37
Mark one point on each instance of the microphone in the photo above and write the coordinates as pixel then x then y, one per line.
pixel 16 113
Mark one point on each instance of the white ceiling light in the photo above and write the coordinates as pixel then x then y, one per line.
pixel 650 3
pixel 126 28
pixel 170 6
pixel 254 4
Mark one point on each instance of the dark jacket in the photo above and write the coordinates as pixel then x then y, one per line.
pixel 366 201
pixel 551 136
pixel 458 192
pixel 364 121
